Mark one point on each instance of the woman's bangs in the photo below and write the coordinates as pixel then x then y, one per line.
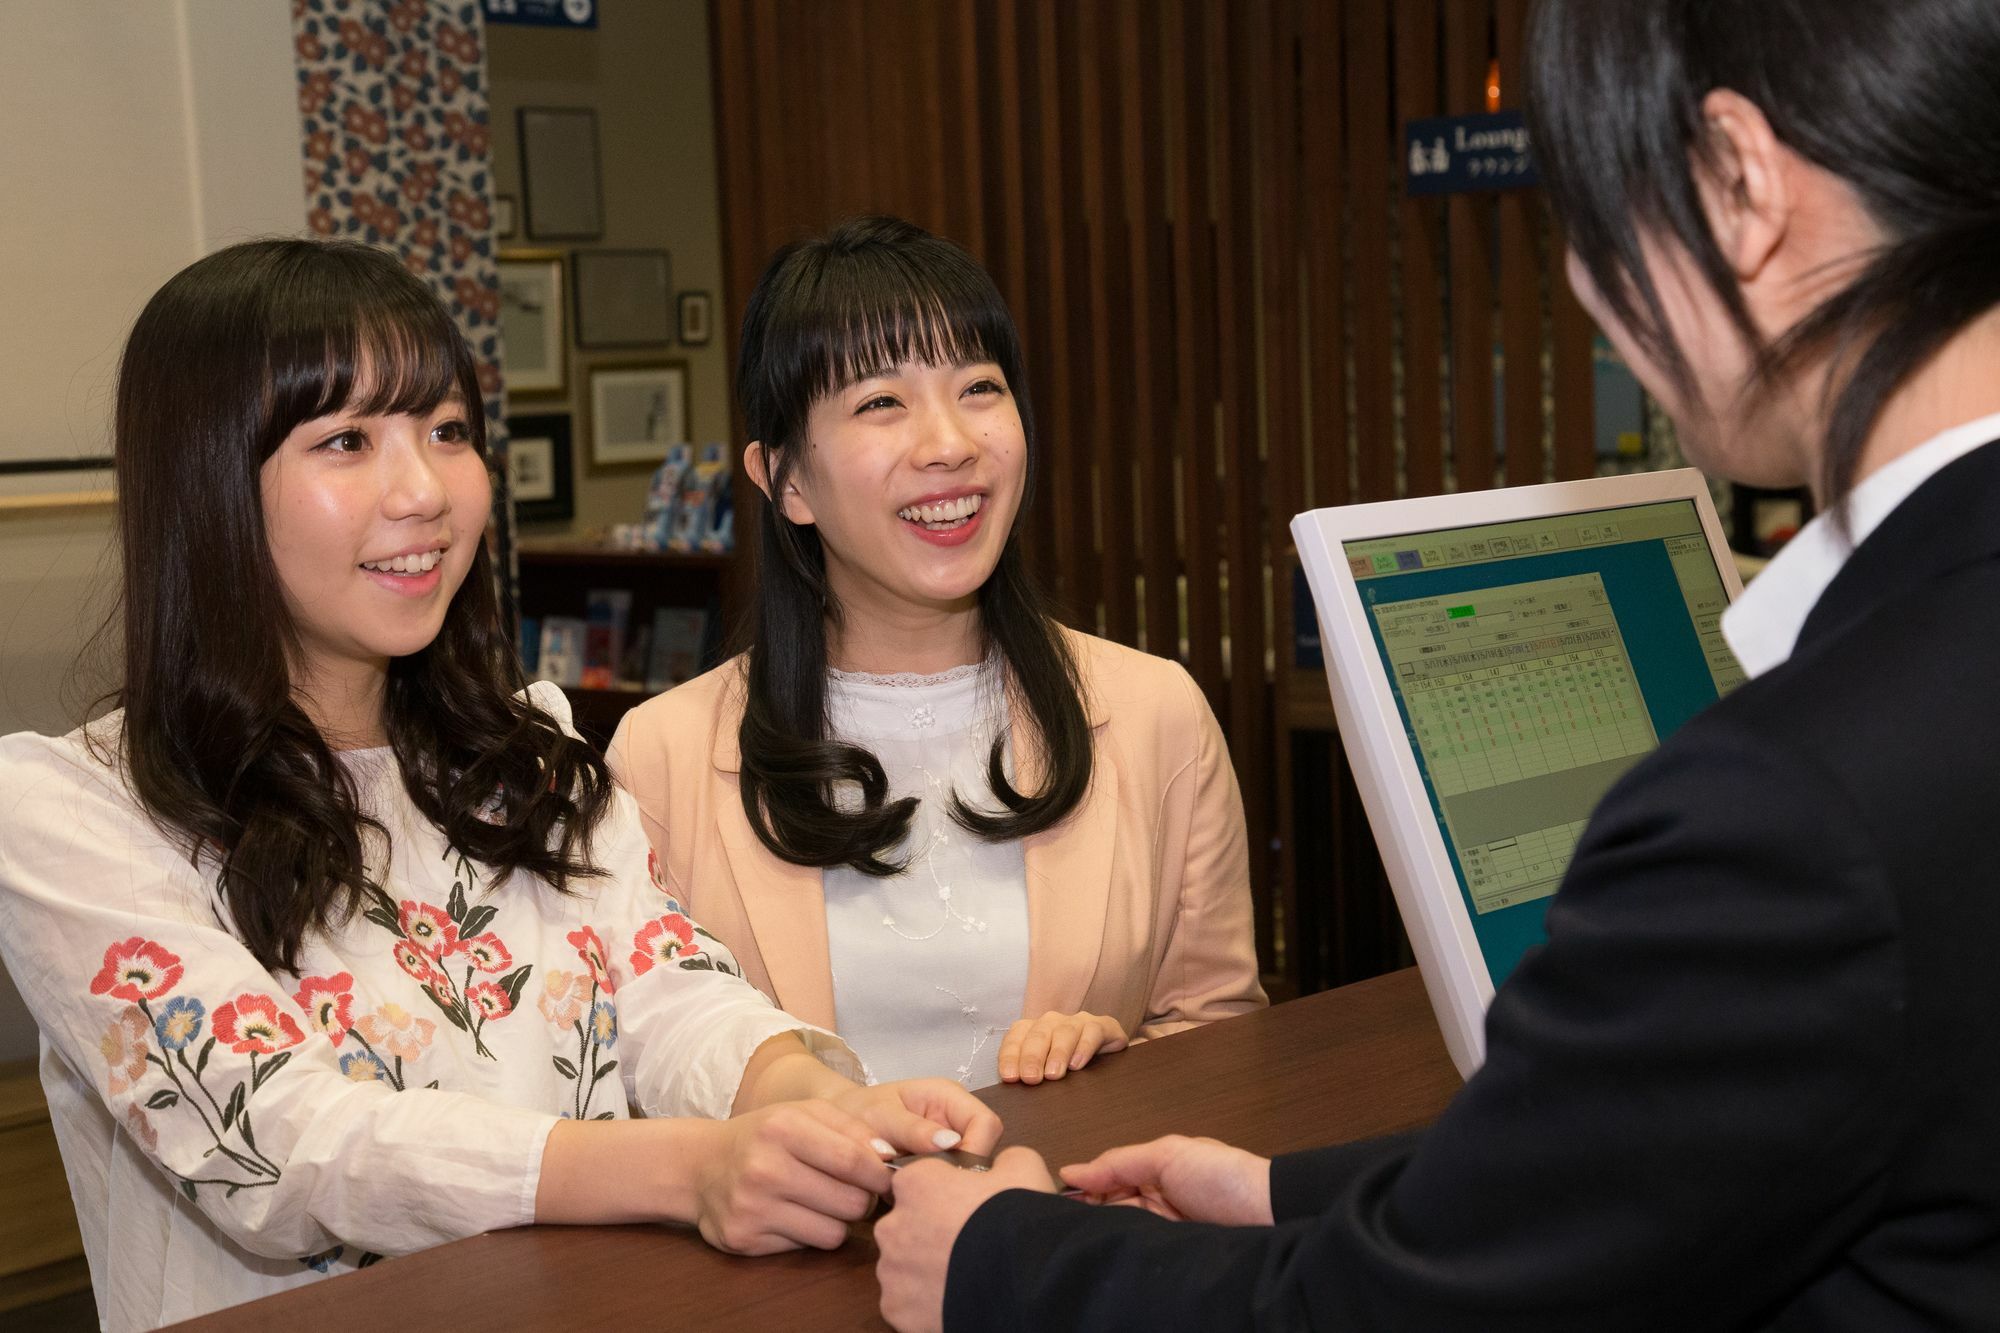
pixel 867 323
pixel 394 356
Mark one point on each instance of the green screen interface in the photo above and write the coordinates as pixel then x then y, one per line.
pixel 1533 662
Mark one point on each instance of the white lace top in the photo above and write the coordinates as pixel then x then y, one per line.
pixel 929 967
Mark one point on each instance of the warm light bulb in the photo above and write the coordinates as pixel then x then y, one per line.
pixel 1493 86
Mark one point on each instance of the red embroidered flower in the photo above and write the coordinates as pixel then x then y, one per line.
pixel 416 962
pixel 489 999
pixel 429 928
pixel 591 950
pixel 487 953
pixel 329 1003
pixel 124 1047
pixel 255 1024
pixel 661 942
pixel 136 970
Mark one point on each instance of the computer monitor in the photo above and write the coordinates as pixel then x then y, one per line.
pixel 1497 660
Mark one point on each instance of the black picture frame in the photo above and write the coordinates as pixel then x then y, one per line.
pixel 541 441
pixel 696 322
pixel 561 178
pixel 622 298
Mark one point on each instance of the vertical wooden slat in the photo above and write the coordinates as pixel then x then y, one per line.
pixel 961 163
pixel 1326 315
pixel 1424 444
pixel 1101 85
pixel 1278 266
pixel 730 64
pixel 1575 383
pixel 1188 88
pixel 1145 461
pixel 927 129
pixel 994 29
pixel 1075 535
pixel 1470 222
pixel 1237 27
pixel 1367 57
pixel 1520 279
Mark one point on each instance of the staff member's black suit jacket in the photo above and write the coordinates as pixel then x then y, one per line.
pixel 1751 1081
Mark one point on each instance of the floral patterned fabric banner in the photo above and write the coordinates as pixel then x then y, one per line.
pixel 392 95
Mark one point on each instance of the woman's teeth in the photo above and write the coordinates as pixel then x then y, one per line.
pixel 943 515
pixel 405 564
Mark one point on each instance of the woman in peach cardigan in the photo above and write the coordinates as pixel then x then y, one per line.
pixel 981 845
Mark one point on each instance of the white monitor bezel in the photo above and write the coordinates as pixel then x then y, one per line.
pixel 1385 768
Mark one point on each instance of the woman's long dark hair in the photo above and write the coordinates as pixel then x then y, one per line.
pixel 1899 99
pixel 225 360
pixel 871 294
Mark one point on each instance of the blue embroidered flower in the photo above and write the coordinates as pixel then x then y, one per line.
pixel 362 1067
pixel 324 1260
pixel 604 1024
pixel 179 1023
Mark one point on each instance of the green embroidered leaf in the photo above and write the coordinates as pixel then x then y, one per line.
pixel 384 917
pixel 455 904
pixel 432 1085
pixel 605 1115
pixel 265 1071
pixel 698 963
pixel 477 920
pixel 451 1012
pixel 602 1071
pixel 232 1106
pixel 512 983
pixel 187 1188
pixel 243 1128
pixel 705 935
pixel 162 1099
pixel 201 1062
pixel 230 1193
pixel 565 1068
pixel 367 1257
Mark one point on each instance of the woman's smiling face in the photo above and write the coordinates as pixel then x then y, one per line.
pixel 372 523
pixel 913 477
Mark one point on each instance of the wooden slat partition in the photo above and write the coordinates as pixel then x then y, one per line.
pixel 1196 210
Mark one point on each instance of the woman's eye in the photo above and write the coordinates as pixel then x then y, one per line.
pixel 987 386
pixel 879 400
pixel 452 432
pixel 346 442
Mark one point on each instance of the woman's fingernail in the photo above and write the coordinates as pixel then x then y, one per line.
pixel 946 1138
pixel 1076 1061
pixel 883 1147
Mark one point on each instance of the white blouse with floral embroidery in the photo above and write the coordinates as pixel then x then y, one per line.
pixel 229 1131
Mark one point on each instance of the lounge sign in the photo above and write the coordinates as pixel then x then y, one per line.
pixel 1468 154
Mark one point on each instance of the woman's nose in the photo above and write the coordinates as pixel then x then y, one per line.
pixel 946 441
pixel 414 488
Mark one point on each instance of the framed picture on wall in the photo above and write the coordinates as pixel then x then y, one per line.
pixel 503 217
pixel 531 320
pixel 623 298
pixel 636 412
pixel 697 316
pixel 559 175
pixel 539 468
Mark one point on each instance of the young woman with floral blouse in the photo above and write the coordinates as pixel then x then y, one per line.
pixel 340 943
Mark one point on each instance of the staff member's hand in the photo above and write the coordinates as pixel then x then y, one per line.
pixel 923 1115
pixel 1191 1180
pixel 1054 1044
pixel 915 1237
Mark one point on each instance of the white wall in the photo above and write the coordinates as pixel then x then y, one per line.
pixel 137 137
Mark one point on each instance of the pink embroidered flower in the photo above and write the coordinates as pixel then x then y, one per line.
pixel 136 970
pixel 563 996
pixel 591 950
pixel 141 1128
pixel 417 963
pixel 124 1047
pixel 253 1024
pixel 394 1031
pixel 487 953
pixel 429 928
pixel 489 999
pixel 662 941
pixel 653 871
pixel 329 1003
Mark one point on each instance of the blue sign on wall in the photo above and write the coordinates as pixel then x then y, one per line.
pixel 1468 154
pixel 543 13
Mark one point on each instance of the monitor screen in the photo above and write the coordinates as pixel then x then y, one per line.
pixel 1532 663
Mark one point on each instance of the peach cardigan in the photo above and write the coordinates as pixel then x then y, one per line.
pixel 1138 903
